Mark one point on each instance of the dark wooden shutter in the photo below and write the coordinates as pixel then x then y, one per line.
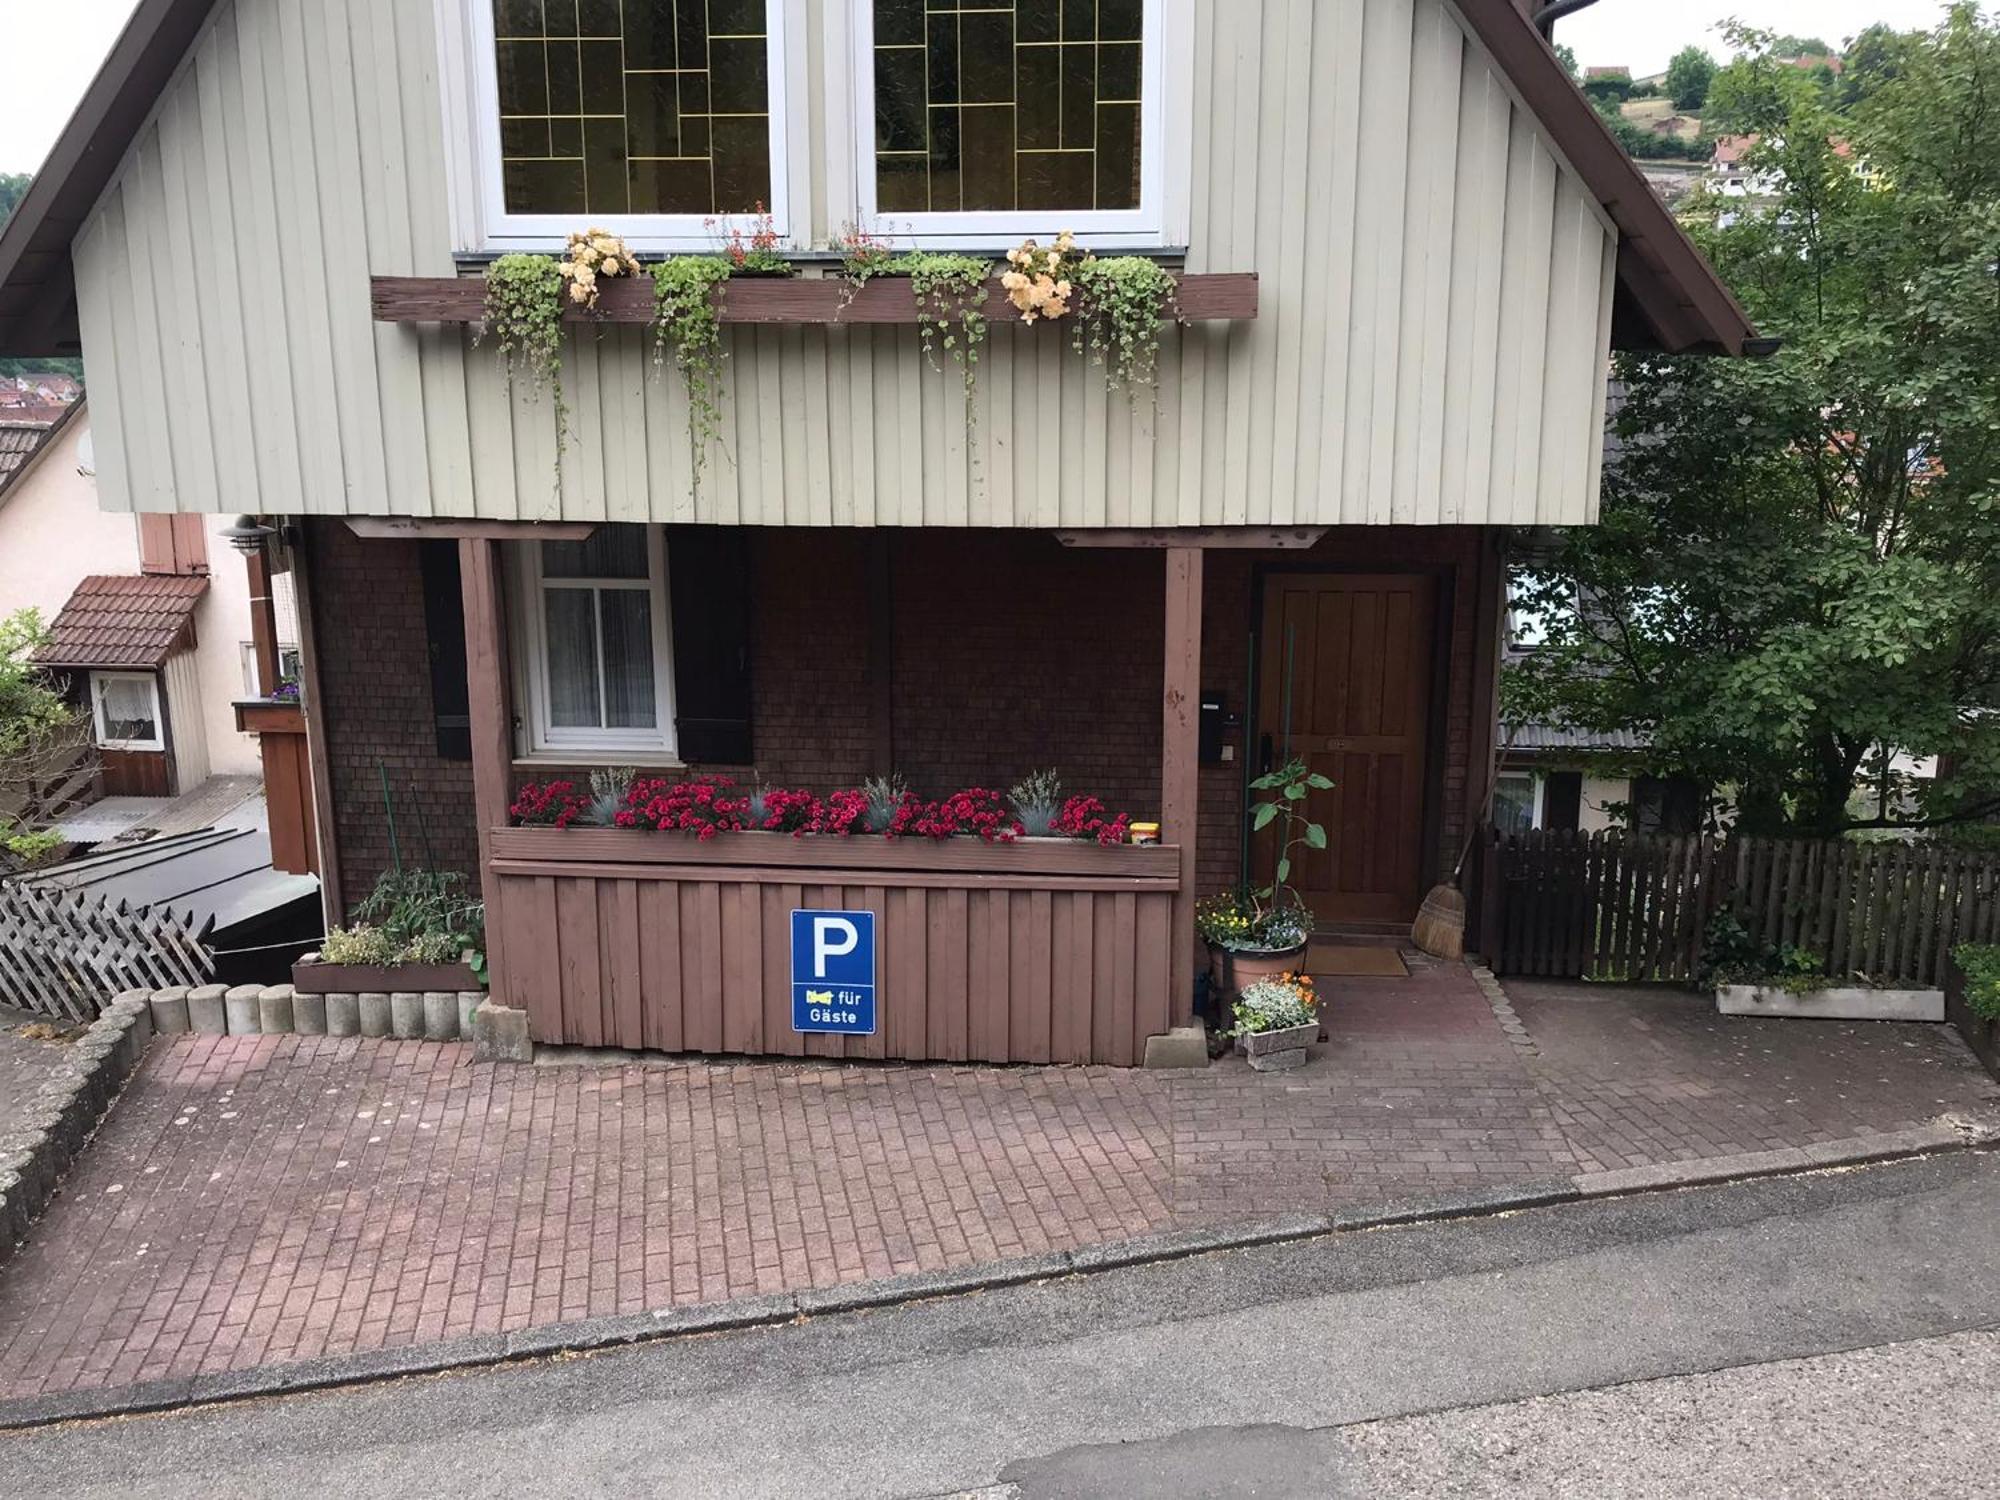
pixel 1562 801
pixel 444 629
pixel 708 575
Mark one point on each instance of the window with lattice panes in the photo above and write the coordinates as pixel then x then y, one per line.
pixel 645 117
pixel 1011 117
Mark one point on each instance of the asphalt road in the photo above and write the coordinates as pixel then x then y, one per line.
pixel 1490 1356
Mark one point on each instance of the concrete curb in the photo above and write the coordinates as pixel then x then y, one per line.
pixel 40 1143
pixel 591 1334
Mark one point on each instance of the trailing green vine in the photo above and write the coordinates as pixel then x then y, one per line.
pixel 951 300
pixel 1122 301
pixel 686 316
pixel 524 308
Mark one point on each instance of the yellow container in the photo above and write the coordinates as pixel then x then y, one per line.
pixel 1145 833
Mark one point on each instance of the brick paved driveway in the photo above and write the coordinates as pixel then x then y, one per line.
pixel 260 1200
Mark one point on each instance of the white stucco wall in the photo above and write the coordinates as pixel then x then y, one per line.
pixel 1597 791
pixel 52 536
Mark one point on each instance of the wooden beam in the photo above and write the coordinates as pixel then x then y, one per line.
pixel 489 699
pixel 420 528
pixel 1180 771
pixel 1222 296
pixel 1263 538
pixel 326 833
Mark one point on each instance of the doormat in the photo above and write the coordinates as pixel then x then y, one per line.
pixel 1355 961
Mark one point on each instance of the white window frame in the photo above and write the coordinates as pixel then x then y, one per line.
pixel 480 176
pixel 287 653
pixel 546 741
pixel 1150 226
pixel 152 682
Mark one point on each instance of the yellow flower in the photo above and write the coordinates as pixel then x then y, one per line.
pixel 579 293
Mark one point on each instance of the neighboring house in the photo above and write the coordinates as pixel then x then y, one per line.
pixel 1305 530
pixel 149 615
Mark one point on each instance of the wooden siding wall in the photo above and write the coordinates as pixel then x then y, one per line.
pixel 1431 347
pixel 1005 959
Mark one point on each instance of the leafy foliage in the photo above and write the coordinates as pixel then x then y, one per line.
pixel 1797 572
pixel 1291 786
pixel 687 321
pixel 1981 963
pixel 1689 74
pixel 13 188
pixel 1123 299
pixel 1036 800
pixel 525 297
pixel 427 911
pixel 951 300
pixel 1276 1004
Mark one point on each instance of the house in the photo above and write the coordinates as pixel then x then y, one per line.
pixel 1409 246
pixel 150 614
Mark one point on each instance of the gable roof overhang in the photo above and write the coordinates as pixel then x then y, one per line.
pixel 1668 297
pixel 133 621
pixel 19 457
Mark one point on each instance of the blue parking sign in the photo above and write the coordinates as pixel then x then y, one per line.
pixel 833 972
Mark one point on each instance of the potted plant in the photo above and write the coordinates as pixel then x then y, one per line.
pixel 1276 1020
pixel 1261 933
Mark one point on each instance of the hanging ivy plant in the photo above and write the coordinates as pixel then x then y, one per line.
pixel 1123 299
pixel 686 318
pixel 951 300
pixel 524 309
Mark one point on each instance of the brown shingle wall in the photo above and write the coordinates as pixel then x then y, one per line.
pixel 1010 653
pixel 374 680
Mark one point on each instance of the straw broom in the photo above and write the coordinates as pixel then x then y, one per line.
pixel 1439 929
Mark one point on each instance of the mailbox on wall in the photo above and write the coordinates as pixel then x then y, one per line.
pixel 1214 720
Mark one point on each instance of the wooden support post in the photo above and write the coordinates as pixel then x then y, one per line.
pixel 1180 749
pixel 326 833
pixel 263 620
pixel 492 721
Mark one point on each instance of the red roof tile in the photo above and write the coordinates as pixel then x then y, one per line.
pixel 123 622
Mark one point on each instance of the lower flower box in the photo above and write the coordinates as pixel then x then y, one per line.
pixel 1846 1003
pixel 1276 1051
pixel 316 978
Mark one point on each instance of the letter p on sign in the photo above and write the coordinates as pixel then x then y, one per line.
pixel 833 937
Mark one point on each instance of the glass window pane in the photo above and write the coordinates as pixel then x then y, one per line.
pixel 1514 804
pixel 609 552
pixel 1000 107
pixel 128 709
pixel 629 702
pixel 572 631
pixel 612 113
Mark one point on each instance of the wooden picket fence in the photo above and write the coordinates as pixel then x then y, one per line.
pixel 65 954
pixel 1637 907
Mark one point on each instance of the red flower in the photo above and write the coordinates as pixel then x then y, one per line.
pixel 1085 818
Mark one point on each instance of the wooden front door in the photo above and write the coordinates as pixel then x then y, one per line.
pixel 1344 681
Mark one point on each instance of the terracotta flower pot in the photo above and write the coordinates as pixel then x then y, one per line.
pixel 1242 967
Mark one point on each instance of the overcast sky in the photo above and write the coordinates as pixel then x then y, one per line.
pixel 48 52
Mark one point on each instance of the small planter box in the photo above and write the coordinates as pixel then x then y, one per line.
pixel 1276 1051
pixel 363 979
pixel 1855 1003
pixel 1981 1035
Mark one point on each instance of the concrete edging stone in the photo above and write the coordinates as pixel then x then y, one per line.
pixel 41 1142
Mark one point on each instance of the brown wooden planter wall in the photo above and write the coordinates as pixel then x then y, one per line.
pixel 1031 952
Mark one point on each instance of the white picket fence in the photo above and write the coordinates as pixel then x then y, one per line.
pixel 66 954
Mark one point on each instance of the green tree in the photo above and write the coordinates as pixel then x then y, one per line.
pixel 13 188
pixel 41 736
pixel 1797 572
pixel 1688 77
